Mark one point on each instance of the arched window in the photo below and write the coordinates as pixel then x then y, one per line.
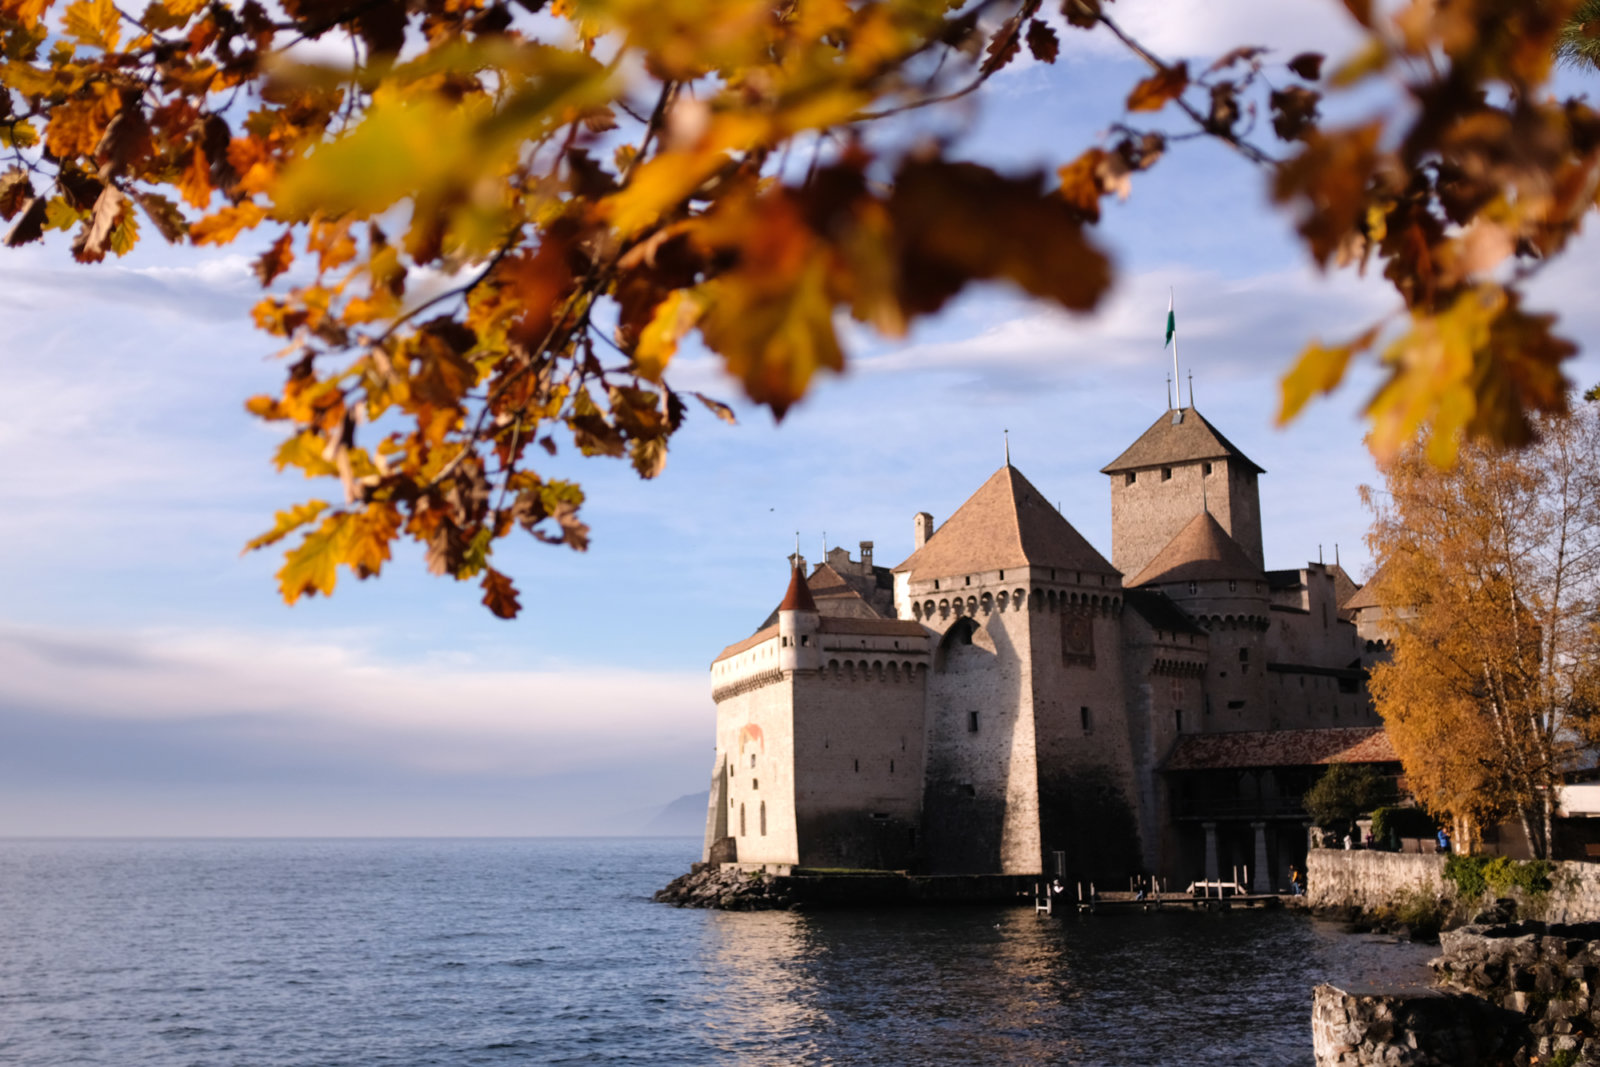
pixel 741 820
pixel 763 818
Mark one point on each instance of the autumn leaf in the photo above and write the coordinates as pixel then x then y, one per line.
pixel 29 225
pixel 96 235
pixel 1307 65
pixel 311 567
pixel 276 259
pixel 222 227
pixel 499 595
pixel 1154 92
pixel 1318 370
pixel 717 408
pixel 287 523
pixel 1042 42
pixel 16 190
pixel 673 317
pixel 94 23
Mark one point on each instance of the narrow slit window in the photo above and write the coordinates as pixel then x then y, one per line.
pixel 1083 719
pixel 972 722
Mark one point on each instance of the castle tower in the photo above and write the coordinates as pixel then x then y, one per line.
pixel 798 625
pixel 1179 466
pixel 1027 748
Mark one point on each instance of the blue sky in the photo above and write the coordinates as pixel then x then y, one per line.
pixel 151 681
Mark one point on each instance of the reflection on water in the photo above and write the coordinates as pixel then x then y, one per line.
pixel 1001 986
pixel 451 953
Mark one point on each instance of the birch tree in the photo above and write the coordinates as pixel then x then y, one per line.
pixel 1490 572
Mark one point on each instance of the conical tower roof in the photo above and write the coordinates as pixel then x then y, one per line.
pixel 1187 440
pixel 1201 552
pixel 798 598
pixel 1006 523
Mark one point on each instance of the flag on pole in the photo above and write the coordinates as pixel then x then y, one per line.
pixel 1172 321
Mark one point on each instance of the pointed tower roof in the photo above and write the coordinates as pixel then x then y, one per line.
pixel 1189 439
pixel 1006 523
pixel 1202 551
pixel 1368 596
pixel 798 598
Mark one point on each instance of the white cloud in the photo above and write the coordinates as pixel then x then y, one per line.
pixel 459 714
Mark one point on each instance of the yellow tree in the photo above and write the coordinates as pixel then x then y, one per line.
pixel 487 233
pixel 1491 576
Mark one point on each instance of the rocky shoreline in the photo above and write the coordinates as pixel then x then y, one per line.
pixel 707 885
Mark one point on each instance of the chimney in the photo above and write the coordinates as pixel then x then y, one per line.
pixel 921 529
pixel 866 557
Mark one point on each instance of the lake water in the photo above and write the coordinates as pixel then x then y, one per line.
pixel 548 951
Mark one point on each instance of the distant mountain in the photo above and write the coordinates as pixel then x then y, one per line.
pixel 686 815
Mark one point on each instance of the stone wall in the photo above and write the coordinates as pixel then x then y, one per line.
pixel 1516 993
pixel 1374 880
pixel 1371 880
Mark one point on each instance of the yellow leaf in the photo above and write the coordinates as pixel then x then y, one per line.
pixel 1318 370
pixel 94 23
pixel 658 341
pixel 312 566
pixel 225 225
pixel 27 12
pixel 288 522
pixel 305 450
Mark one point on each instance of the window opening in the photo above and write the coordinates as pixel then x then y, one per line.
pixel 972 722
pixel 741 820
pixel 1083 718
pixel 1130 477
pixel 763 818
pixel 1166 474
pixel 1177 718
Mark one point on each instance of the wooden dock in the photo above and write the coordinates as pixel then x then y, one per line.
pixel 1205 896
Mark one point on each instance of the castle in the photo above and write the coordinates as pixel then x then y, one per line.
pixel 1006 700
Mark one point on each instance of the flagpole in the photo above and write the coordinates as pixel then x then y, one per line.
pixel 1175 378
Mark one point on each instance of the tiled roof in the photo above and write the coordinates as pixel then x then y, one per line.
pixel 798 598
pixel 1160 612
pixel 1191 439
pixel 765 634
pixel 1006 523
pixel 1281 748
pixel 1368 596
pixel 889 627
pixel 839 594
pixel 1202 551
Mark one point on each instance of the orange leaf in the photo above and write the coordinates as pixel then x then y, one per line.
pixel 1166 84
pixel 225 225
pixel 499 595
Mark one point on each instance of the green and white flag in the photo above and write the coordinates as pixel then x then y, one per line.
pixel 1172 322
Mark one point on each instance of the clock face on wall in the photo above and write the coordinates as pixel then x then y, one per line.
pixel 1077 636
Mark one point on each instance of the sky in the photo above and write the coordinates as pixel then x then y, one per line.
pixel 153 683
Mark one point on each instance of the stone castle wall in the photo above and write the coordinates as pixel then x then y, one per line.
pixel 1148 514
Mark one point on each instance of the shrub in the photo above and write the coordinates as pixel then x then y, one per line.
pixel 1476 875
pixel 1467 873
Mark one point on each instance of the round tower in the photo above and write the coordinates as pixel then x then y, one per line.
pixel 799 623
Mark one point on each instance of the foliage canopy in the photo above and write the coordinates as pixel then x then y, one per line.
pixel 1343 792
pixel 489 231
pixel 1491 576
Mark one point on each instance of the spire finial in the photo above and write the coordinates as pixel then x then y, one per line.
pixel 1007 434
pixel 797 545
pixel 1191 390
pixel 1169 392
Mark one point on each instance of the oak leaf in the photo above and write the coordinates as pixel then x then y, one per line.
pixel 1154 92
pixel 499 594
pixel 1042 41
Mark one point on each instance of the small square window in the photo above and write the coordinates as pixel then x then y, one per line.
pixel 1208 468
pixel 969 789
pixel 1130 477
pixel 755 783
pixel 1166 474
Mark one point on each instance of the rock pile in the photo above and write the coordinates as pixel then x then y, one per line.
pixel 708 885
pixel 1547 973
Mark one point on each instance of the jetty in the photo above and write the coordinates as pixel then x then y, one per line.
pixel 1144 895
